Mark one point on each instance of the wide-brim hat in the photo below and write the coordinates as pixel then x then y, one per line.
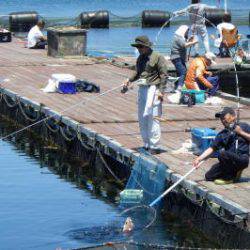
pixel 142 41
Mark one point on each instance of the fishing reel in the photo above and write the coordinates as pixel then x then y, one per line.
pixel 124 89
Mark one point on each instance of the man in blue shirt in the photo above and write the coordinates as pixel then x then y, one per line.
pixel 232 144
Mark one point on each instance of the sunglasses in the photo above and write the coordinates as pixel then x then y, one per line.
pixel 140 46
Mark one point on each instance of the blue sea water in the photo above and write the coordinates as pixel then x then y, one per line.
pixel 116 41
pixel 50 200
pixel 126 8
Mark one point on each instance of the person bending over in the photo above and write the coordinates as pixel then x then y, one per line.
pixel 199 78
pixel 232 145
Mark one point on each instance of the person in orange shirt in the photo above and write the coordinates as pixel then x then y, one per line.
pixel 199 78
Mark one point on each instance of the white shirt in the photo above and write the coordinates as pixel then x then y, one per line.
pixel 34 36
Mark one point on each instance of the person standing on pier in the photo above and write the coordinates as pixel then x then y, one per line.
pixel 232 145
pixel 151 76
pixel 196 12
pixel 178 54
pixel 36 39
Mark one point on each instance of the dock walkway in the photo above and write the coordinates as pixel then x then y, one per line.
pixel 114 115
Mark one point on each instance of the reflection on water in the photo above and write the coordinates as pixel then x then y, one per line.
pixel 50 199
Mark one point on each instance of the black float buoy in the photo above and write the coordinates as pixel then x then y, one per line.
pixel 22 21
pixel 155 18
pixel 214 15
pixel 95 19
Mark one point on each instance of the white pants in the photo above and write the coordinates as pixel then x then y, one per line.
pixel 202 31
pixel 148 108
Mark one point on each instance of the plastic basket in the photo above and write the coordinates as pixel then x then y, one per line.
pixel 129 196
pixel 199 94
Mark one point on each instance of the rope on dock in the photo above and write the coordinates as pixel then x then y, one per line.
pixel 54 130
pixel 79 137
pixel 24 112
pixel 220 213
pixel 5 97
pixel 64 132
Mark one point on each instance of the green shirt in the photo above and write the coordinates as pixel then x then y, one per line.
pixel 153 68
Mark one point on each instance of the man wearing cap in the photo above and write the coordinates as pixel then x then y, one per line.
pixel 232 145
pixel 199 78
pixel 150 75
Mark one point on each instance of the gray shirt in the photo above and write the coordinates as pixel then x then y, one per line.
pixel 196 12
pixel 178 49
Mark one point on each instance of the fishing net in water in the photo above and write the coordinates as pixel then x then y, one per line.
pixel 145 184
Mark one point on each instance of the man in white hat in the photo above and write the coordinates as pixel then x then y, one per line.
pixel 199 78
pixel 151 76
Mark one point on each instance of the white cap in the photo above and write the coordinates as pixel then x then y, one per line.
pixel 211 56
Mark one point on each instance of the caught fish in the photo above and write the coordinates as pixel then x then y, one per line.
pixel 128 225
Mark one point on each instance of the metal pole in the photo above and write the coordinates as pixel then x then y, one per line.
pixel 173 186
pixel 225 5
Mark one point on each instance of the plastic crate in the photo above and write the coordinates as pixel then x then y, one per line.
pixel 131 196
pixel 203 138
pixel 199 94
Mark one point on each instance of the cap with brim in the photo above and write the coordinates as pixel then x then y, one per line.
pixel 142 41
pixel 211 56
pixel 224 111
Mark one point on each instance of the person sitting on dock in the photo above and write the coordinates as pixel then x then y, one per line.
pixel 232 144
pixel 227 36
pixel 36 39
pixel 178 54
pixel 151 76
pixel 196 12
pixel 199 78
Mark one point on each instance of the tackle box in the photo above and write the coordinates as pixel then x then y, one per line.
pixel 199 94
pixel 203 138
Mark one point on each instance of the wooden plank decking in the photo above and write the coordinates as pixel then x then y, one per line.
pixel 114 114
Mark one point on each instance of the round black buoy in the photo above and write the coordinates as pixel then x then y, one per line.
pixel 155 18
pixel 214 16
pixel 95 19
pixel 22 21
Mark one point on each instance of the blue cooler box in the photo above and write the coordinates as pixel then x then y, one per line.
pixel 203 138
pixel 67 87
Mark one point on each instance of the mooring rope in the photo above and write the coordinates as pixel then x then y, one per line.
pixel 50 128
pixel 7 102
pixel 65 136
pixel 79 137
pixel 62 111
pixel 24 113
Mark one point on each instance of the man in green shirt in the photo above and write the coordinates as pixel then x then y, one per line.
pixel 151 76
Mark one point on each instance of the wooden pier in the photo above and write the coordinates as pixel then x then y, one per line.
pixel 110 121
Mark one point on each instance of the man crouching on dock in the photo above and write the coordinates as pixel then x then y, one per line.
pixel 232 144
pixel 151 76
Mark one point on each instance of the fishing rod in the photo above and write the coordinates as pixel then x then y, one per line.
pixel 63 111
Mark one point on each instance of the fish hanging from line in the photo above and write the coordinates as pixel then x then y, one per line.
pixel 128 226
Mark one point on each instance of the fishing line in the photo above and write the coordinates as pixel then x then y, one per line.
pixel 63 111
